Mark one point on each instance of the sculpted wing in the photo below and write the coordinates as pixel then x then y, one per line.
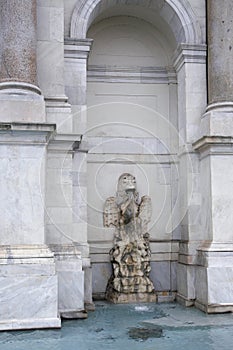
pixel 145 211
pixel 111 212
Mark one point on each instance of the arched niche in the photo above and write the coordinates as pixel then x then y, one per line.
pixel 155 151
pixel 130 80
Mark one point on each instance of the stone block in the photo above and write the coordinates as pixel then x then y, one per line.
pixel 186 281
pixel 26 108
pixel 28 288
pixel 174 276
pixel 101 274
pixel 160 275
pixel 70 280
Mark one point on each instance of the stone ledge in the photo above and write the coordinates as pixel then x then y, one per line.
pixel 9 325
pixel 77 48
pixel 208 141
pixel 20 133
pixel 182 300
pixel 21 126
pixel 214 308
pixel 120 298
pixel 189 53
pixel 24 252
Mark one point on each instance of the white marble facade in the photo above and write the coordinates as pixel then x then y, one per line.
pixel 113 87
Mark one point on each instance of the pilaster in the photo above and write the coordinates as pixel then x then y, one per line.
pixel 190 64
pixel 50 53
pixel 76 55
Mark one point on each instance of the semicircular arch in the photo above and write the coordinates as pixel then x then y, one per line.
pixel 177 14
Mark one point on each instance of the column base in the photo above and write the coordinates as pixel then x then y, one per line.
pixel 214 309
pixel 214 276
pixel 21 102
pixel 217 121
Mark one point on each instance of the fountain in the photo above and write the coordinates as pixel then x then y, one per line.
pixel 130 255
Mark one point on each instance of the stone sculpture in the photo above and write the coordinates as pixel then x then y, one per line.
pixel 130 255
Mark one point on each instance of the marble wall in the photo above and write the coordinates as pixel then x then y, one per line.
pixel 121 88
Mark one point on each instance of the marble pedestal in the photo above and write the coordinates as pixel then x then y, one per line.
pixel 70 281
pixel 214 273
pixel 214 276
pixel 28 288
pixel 21 102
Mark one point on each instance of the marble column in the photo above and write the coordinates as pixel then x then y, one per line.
pixel 18 72
pixel 220 51
pixel 214 273
pixel 18 41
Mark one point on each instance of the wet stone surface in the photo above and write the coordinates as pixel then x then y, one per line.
pixel 131 327
pixel 144 333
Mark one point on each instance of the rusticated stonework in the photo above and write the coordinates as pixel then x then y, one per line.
pixel 130 255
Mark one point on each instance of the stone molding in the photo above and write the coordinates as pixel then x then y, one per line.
pixel 226 105
pixel 188 252
pixel 67 143
pixel 210 246
pixel 124 74
pixel 77 48
pixel 55 102
pixel 26 133
pixel 18 88
pixel 214 145
pixel 189 53
pixel 25 253
pixel 184 23
pixel 116 158
pixel 65 251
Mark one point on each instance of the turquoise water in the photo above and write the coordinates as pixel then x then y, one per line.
pixel 123 327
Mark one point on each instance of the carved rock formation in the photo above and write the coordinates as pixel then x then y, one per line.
pixel 130 255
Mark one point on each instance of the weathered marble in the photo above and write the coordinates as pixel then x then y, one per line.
pixel 70 281
pixel 22 188
pixel 213 280
pixel 130 255
pixel 129 99
pixel 28 288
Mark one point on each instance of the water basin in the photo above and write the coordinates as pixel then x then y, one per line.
pixel 126 327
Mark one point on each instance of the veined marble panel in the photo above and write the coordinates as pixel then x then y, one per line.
pixel 70 281
pixel 28 288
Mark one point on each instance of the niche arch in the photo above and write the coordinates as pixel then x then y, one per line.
pixel 178 15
